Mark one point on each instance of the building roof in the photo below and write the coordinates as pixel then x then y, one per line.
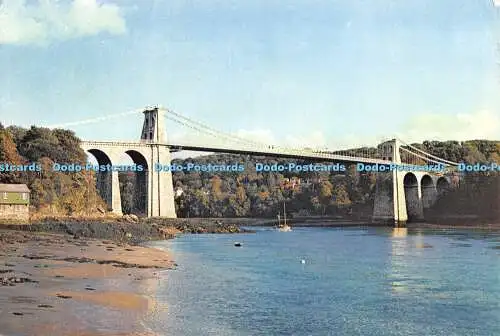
pixel 14 188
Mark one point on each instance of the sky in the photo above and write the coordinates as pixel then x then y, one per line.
pixel 316 73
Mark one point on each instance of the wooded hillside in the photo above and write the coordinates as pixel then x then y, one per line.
pixel 207 194
pixel 253 193
pixel 52 192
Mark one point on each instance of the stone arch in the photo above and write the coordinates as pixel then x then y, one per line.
pixel 413 203
pixel 141 182
pixel 428 190
pixel 101 157
pixel 442 186
pixel 104 179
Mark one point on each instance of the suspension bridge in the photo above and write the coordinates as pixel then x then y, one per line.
pixel 401 194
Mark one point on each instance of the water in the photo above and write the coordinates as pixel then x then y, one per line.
pixel 353 282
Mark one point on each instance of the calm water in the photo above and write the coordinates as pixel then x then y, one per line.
pixel 353 282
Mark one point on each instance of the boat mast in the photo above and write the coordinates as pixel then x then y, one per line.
pixel 284 213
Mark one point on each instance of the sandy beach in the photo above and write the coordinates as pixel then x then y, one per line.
pixel 63 285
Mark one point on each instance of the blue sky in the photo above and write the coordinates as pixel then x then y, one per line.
pixel 313 73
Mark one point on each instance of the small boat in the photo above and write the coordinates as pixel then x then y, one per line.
pixel 283 227
pixel 237 244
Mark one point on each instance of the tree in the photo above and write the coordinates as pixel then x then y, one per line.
pixel 473 155
pixel 340 196
pixel 261 194
pixel 325 194
pixel 216 187
pixel 69 146
pixel 18 133
pixel 39 142
pixel 9 155
pixel 241 195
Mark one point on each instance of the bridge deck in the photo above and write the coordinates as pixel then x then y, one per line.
pixel 282 153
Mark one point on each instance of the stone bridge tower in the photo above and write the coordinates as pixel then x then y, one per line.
pixel 390 202
pixel 405 195
pixel 153 128
pixel 160 199
pixel 153 194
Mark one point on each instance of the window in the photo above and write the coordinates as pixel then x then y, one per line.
pixel 4 195
pixel 25 196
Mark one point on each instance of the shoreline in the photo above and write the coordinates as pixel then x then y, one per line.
pixel 98 287
pixel 101 277
pixel 134 231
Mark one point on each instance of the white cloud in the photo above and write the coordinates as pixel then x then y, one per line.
pixel 432 126
pixel 46 20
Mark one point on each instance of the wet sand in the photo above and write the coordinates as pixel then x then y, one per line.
pixel 61 285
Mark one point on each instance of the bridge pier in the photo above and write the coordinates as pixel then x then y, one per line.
pixel 405 196
pixel 116 203
pixel 413 197
pixel 390 201
pixel 154 188
pixel 401 196
pixel 161 191
pixel 429 192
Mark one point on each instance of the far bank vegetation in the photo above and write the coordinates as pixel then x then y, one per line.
pixel 229 194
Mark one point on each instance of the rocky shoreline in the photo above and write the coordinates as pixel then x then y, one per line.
pixel 126 229
pixel 132 230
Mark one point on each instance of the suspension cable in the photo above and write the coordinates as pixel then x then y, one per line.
pixel 422 157
pixel 433 156
pixel 170 112
pixel 89 121
pixel 202 128
pixel 207 132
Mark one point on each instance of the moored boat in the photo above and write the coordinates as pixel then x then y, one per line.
pixel 283 227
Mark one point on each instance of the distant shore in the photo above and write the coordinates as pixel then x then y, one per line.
pixel 133 230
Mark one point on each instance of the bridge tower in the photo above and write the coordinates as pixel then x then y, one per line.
pixel 153 128
pixel 160 197
pixel 390 201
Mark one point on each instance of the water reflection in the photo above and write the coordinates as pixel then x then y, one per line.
pixel 398 263
pixel 408 269
pixel 399 232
